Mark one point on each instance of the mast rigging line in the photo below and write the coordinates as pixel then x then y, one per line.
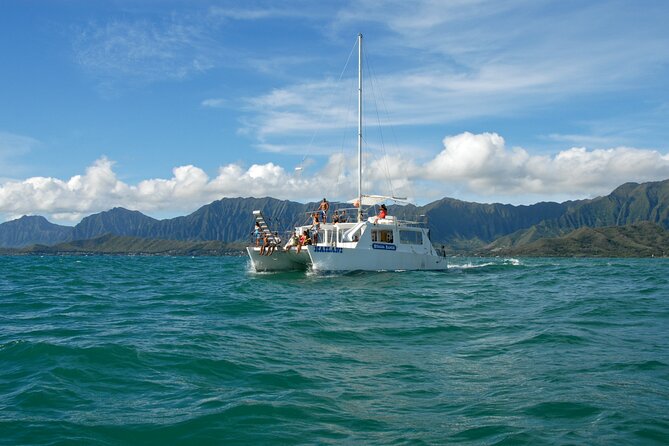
pixel 320 117
pixel 372 84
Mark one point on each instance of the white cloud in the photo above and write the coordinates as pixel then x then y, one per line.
pixel 427 97
pixel 12 144
pixel 144 51
pixel 304 107
pixel 484 58
pixel 214 103
pixel 12 148
pixel 175 45
pixel 485 166
pixel 254 13
pixel 479 166
pixel 100 189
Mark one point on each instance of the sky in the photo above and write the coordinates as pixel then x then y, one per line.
pixel 165 106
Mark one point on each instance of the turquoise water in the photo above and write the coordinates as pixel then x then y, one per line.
pixel 159 350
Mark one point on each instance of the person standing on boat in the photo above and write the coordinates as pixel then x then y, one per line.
pixel 315 227
pixel 324 210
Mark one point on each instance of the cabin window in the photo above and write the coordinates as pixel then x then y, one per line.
pixel 411 237
pixel 382 236
pixel 356 235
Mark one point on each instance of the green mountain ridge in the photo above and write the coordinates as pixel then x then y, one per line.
pixel 462 227
pixel 627 204
pixel 642 239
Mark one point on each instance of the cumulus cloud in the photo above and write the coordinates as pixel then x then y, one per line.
pixel 486 166
pixel 189 186
pixel 477 165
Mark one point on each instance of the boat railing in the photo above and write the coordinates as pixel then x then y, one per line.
pixel 391 219
pixel 411 223
pixel 350 213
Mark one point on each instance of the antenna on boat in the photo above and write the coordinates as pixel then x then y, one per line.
pixel 360 127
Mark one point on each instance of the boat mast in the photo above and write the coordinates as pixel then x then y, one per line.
pixel 360 127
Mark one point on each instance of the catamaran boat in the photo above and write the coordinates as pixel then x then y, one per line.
pixel 368 244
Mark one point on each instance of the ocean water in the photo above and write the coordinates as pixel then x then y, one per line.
pixel 161 350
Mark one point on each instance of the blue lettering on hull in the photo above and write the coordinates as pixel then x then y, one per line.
pixel 328 249
pixel 384 246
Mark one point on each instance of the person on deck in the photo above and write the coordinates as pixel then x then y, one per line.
pixel 342 217
pixel 257 233
pixel 382 213
pixel 265 244
pixel 293 241
pixel 276 241
pixel 304 240
pixel 324 210
pixel 315 227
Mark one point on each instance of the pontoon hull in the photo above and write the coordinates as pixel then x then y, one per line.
pixel 324 259
pixel 279 260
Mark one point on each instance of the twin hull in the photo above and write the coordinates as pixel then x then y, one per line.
pixel 326 258
pixel 357 259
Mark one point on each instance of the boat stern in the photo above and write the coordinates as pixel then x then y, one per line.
pixel 279 260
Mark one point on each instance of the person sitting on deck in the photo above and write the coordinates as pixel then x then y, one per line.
pixel 382 213
pixel 342 217
pixel 304 240
pixel 265 244
pixel 294 240
pixel 335 217
pixel 276 241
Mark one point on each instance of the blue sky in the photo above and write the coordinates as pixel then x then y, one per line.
pixel 163 106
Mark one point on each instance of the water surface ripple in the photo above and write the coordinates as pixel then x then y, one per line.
pixel 160 350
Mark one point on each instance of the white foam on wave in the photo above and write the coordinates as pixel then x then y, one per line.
pixel 470 265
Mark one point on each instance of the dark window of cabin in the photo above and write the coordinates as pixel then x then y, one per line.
pixel 411 237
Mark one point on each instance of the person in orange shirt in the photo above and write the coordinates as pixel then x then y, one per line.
pixel 382 213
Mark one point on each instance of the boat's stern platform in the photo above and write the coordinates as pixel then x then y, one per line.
pixel 279 260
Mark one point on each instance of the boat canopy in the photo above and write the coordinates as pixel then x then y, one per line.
pixel 371 200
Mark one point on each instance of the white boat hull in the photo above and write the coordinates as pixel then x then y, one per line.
pixel 326 259
pixel 376 244
pixel 279 260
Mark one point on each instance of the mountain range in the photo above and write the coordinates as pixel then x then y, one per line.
pixel 643 239
pixel 460 226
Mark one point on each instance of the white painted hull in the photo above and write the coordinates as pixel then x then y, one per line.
pixel 367 259
pixel 279 260
pixel 354 247
pixel 376 244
